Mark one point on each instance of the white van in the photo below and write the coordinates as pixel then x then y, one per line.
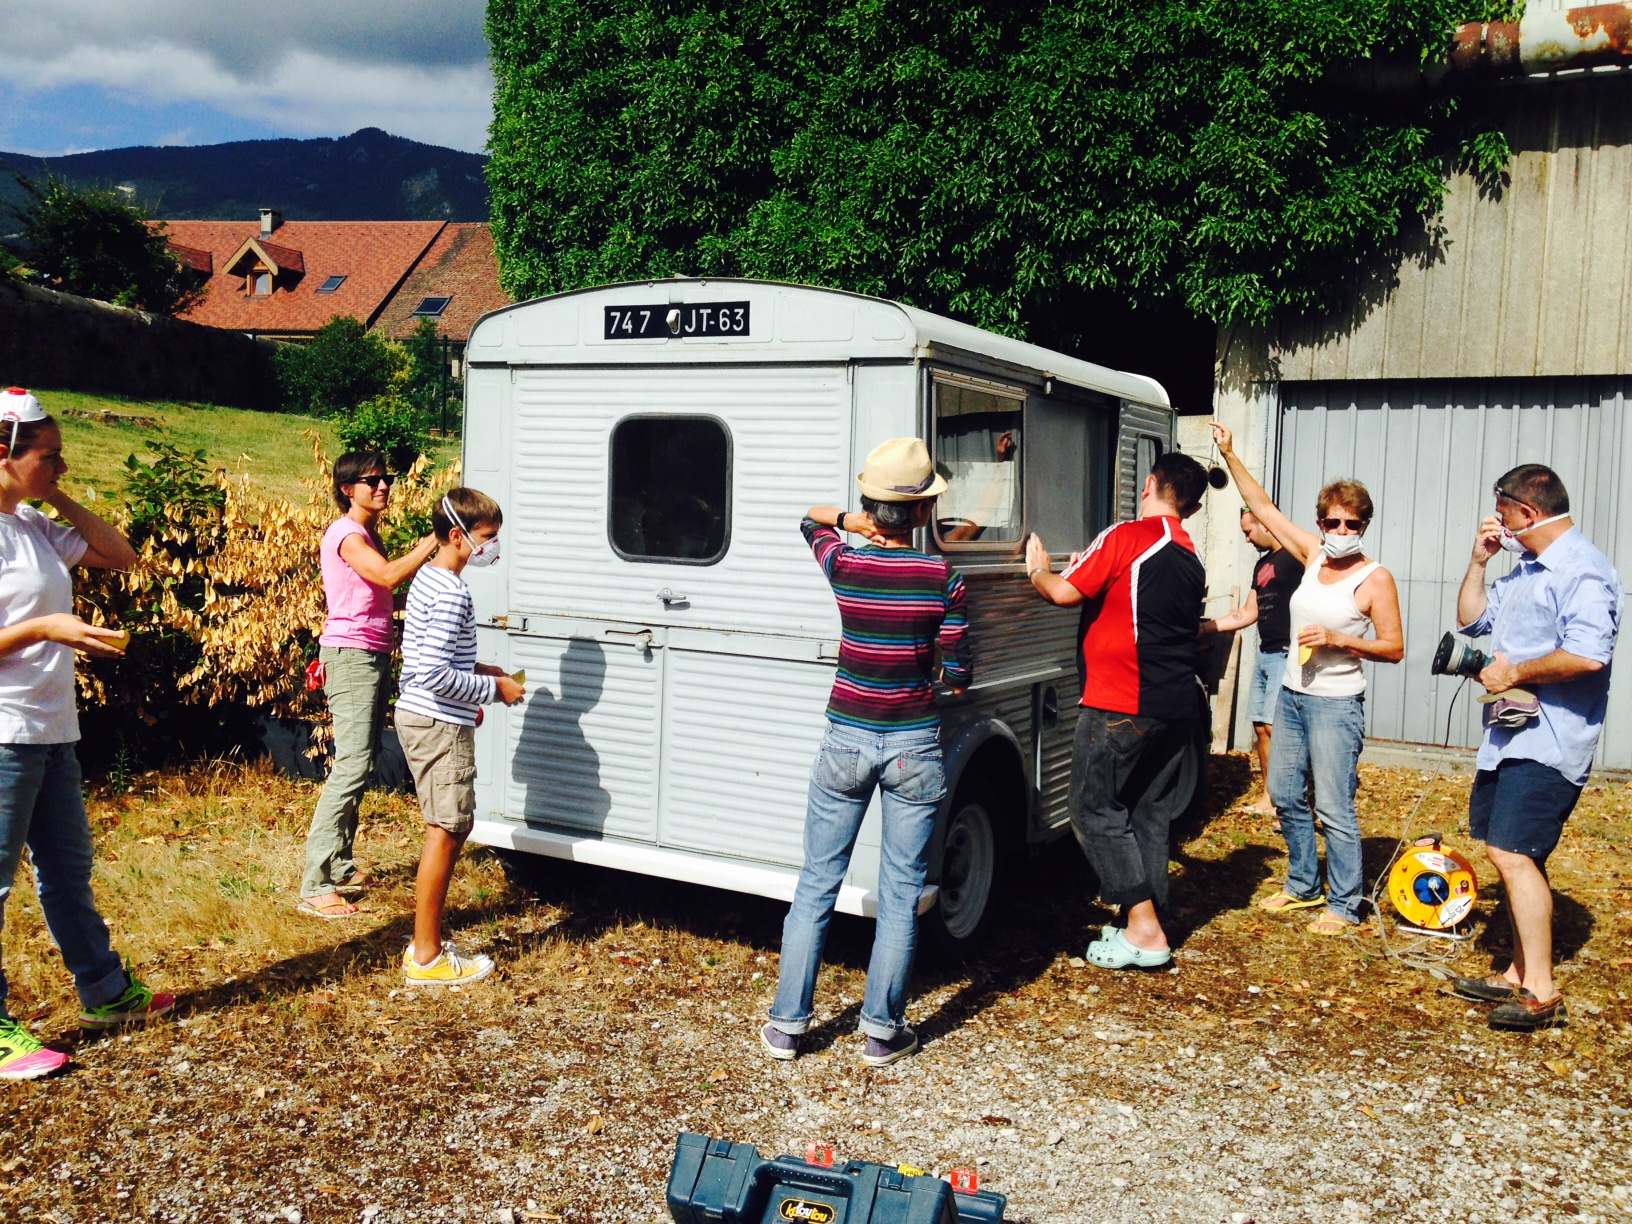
pixel 654 446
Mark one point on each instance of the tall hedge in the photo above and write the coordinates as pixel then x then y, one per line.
pixel 987 159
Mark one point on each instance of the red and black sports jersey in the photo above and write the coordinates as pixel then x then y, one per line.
pixel 1144 586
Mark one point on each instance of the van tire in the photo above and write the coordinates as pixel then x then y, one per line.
pixel 974 858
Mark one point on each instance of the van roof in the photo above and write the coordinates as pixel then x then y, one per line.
pixel 787 322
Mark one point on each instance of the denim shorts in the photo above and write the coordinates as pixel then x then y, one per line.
pixel 1265 690
pixel 1521 806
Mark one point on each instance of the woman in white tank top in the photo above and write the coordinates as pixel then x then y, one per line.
pixel 1320 718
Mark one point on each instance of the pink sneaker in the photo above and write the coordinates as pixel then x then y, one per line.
pixel 22 1057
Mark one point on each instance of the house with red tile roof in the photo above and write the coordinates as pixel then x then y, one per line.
pixel 456 282
pixel 286 279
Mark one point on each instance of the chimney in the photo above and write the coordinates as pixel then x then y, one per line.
pixel 271 218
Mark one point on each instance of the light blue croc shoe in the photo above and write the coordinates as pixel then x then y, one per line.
pixel 1113 951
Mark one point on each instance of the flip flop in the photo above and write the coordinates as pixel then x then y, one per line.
pixel 1115 952
pixel 1331 924
pixel 1284 900
pixel 322 911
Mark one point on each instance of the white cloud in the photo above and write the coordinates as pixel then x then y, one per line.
pixel 417 68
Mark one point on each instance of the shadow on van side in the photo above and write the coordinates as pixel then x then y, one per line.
pixel 556 766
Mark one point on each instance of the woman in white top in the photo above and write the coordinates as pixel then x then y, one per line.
pixel 41 805
pixel 1320 719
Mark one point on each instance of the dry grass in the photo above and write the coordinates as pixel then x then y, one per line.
pixel 298 1073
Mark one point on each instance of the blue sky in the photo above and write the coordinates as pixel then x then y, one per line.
pixel 87 74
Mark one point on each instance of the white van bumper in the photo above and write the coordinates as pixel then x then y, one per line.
pixel 734 875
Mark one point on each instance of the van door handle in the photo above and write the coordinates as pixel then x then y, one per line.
pixel 643 637
pixel 667 597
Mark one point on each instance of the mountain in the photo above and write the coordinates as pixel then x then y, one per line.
pixel 367 176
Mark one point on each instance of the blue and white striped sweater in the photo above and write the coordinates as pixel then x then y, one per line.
pixel 439 651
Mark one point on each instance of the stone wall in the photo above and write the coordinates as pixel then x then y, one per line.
pixel 67 343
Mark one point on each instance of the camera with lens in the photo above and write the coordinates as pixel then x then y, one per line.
pixel 1457 656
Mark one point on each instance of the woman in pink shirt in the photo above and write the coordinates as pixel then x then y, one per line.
pixel 355 650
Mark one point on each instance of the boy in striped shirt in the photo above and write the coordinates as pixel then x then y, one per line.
pixel 443 690
pixel 896 605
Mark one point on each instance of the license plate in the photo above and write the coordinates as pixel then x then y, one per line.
pixel 716 319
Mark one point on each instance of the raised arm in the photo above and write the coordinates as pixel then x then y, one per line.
pixel 358 551
pixel 1044 580
pixel 1301 543
pixel 106 547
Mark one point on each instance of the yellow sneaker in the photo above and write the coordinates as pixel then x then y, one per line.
pixel 450 968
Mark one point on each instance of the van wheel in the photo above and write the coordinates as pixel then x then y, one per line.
pixel 971 871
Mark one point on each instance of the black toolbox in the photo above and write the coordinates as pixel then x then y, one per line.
pixel 715 1180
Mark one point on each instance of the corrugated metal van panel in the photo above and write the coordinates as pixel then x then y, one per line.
pixel 739 738
pixel 1137 419
pixel 584 746
pixel 1534 280
pixel 790 444
pixel 1430 453
pixel 1055 792
pixel 1012 631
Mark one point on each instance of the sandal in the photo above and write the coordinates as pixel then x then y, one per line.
pixel 328 912
pixel 1284 900
pixel 357 881
pixel 1115 952
pixel 1330 924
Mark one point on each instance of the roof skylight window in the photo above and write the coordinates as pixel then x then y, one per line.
pixel 331 284
pixel 432 307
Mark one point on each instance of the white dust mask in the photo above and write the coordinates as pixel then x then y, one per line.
pixel 1511 541
pixel 484 554
pixel 1339 546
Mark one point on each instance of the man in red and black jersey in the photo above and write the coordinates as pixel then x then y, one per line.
pixel 1135 764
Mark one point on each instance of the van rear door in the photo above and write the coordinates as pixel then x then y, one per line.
pixel 683 638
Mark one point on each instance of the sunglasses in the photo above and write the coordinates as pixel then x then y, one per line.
pixel 375 482
pixel 1332 524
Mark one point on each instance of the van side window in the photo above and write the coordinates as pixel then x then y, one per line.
pixel 671 489
pixel 977 450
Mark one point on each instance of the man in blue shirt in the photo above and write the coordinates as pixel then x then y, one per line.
pixel 1552 622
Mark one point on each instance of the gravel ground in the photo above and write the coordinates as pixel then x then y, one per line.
pixel 1269 1077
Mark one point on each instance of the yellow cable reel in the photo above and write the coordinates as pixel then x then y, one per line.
pixel 1432 887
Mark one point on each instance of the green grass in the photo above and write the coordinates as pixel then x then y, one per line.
pixel 272 447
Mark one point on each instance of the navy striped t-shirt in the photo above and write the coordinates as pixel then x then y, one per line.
pixel 439 651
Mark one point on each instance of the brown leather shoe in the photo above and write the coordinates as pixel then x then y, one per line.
pixel 1526 1014
pixel 1493 988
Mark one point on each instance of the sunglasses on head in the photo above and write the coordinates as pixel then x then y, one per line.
pixel 375 482
pixel 1332 524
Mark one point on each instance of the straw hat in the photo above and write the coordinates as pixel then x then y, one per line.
pixel 899 470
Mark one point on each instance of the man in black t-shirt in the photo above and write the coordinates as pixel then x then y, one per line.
pixel 1275 576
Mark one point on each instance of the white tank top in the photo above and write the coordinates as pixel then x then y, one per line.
pixel 1325 671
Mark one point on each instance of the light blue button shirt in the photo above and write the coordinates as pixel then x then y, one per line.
pixel 1567 598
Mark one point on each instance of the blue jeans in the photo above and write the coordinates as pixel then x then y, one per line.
pixel 41 806
pixel 1320 737
pixel 907 766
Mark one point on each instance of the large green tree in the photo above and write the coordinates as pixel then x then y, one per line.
pixel 994 160
pixel 92 242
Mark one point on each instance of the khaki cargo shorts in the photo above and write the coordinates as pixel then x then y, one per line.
pixel 442 758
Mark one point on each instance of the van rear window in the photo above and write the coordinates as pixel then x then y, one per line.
pixel 671 489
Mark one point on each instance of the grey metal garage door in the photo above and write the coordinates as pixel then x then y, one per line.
pixel 1430 452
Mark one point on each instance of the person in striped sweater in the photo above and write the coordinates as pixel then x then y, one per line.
pixel 897 606
pixel 443 690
